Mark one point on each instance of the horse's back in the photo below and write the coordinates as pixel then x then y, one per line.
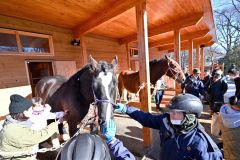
pixel 47 86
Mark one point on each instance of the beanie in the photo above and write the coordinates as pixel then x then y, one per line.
pixel 19 104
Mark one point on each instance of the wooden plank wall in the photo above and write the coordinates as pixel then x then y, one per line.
pixel 12 67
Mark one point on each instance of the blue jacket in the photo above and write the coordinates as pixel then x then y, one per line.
pixel 193 86
pixel 194 145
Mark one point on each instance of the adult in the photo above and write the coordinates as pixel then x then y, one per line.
pixel 181 135
pixel 17 139
pixel 193 84
pixel 160 87
pixel 232 74
pixel 217 89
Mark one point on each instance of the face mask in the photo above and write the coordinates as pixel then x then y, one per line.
pixel 176 122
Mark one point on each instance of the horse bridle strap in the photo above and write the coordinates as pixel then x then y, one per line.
pixel 171 70
pixel 96 100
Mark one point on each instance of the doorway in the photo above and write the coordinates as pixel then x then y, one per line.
pixel 38 70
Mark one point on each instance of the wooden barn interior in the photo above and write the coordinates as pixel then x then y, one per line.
pixel 40 38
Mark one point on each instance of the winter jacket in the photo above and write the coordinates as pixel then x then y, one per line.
pixel 193 86
pixel 120 152
pixel 195 144
pixel 17 137
pixel 230 91
pixel 230 128
pixel 217 90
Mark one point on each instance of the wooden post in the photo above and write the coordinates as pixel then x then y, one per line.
pixel 202 61
pixel 177 46
pixel 128 57
pixel 198 57
pixel 83 50
pixel 177 50
pixel 142 36
pixel 190 56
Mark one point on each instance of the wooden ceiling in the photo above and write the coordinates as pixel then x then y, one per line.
pixel 117 18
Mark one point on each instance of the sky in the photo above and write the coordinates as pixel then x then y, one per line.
pixel 219 4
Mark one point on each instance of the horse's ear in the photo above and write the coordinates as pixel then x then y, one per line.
pixel 115 63
pixel 92 62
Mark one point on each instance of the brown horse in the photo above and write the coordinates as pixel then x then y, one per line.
pixel 165 66
pixel 96 82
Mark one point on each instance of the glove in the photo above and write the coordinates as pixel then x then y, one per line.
pixel 121 108
pixel 109 130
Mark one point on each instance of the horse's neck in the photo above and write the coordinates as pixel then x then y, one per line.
pixel 157 72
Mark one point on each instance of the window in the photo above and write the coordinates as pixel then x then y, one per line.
pixel 18 42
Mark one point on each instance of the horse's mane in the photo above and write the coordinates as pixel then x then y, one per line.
pixel 155 61
pixel 80 72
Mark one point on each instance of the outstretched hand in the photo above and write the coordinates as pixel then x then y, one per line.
pixel 120 107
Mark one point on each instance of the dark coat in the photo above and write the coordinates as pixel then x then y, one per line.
pixel 217 90
pixel 195 144
pixel 193 86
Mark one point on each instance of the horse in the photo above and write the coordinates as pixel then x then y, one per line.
pixel 96 82
pixel 129 80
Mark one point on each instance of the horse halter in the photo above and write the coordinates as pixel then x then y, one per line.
pixel 172 71
pixel 96 100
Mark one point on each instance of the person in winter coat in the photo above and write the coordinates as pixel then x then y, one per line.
pixel 193 84
pixel 17 139
pixel 182 136
pixel 217 89
pixel 230 128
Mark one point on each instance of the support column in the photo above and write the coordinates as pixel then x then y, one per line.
pixel 177 46
pixel 83 50
pixel 142 37
pixel 202 61
pixel 198 57
pixel 128 57
pixel 190 56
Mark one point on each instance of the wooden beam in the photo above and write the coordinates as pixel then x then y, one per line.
pixel 181 23
pixel 112 10
pixel 202 61
pixel 190 56
pixel 83 50
pixel 198 56
pixel 184 37
pixel 177 46
pixel 142 37
pixel 184 44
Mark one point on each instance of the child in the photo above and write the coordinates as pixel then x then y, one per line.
pixel 41 113
pixel 16 136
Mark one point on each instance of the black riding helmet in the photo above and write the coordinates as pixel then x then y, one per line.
pixel 84 147
pixel 186 103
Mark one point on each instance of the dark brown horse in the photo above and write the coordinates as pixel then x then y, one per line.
pixel 96 82
pixel 129 80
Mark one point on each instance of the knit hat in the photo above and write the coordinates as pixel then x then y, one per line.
pixel 19 104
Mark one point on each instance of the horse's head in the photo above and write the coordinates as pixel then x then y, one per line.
pixel 104 87
pixel 174 70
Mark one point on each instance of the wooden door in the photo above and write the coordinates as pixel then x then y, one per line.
pixel 65 68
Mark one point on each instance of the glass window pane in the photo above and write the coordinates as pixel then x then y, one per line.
pixel 34 44
pixel 8 42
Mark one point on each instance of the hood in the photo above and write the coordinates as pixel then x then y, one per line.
pixel 10 120
pixel 230 117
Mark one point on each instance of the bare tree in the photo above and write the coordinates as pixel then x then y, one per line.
pixel 212 55
pixel 228 22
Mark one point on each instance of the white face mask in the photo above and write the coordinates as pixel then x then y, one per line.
pixel 176 122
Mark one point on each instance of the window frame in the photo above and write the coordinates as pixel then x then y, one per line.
pixel 19 45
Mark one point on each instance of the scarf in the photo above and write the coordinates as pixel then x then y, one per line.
pixel 189 123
